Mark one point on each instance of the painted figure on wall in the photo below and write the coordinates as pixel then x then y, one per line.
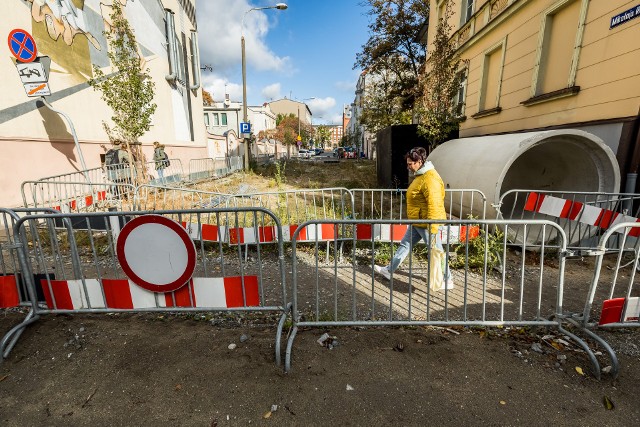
pixel 62 19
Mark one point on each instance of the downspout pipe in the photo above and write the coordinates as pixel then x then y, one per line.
pixel 195 61
pixel 171 46
pixel 73 133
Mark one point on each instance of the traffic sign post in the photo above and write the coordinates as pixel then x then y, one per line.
pixel 245 128
pixel 156 253
pixel 34 72
pixel 22 45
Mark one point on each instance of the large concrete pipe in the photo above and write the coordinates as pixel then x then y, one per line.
pixel 565 160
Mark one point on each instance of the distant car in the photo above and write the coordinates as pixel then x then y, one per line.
pixel 319 151
pixel 304 154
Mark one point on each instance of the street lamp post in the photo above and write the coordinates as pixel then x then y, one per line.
pixel 279 6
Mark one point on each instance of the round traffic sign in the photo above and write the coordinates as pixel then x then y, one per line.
pixel 156 253
pixel 22 45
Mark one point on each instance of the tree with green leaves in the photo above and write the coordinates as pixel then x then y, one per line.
pixel 287 127
pixel 392 58
pixel 323 135
pixel 442 78
pixel 128 90
pixel 378 110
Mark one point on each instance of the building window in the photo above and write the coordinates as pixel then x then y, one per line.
pixel 216 119
pixel 467 11
pixel 223 117
pixel 558 52
pixel 459 101
pixel 206 119
pixel 491 77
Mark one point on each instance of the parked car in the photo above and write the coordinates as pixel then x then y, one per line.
pixel 304 154
pixel 319 151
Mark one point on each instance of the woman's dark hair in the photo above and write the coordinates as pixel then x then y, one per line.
pixel 417 154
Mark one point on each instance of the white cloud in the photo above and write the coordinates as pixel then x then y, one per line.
pixel 272 92
pixel 321 107
pixel 217 86
pixel 219 28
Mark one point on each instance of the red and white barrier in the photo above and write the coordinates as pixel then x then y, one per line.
pixel 214 292
pixel 618 310
pixel 577 211
pixel 206 232
pixel 82 202
pixel 386 232
pixel 9 294
pixel 318 232
pixel 251 235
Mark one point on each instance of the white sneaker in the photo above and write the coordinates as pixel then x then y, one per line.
pixel 449 283
pixel 384 271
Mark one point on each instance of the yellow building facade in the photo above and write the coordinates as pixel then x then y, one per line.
pixel 37 142
pixel 549 64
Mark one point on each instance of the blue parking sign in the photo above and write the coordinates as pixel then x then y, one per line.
pixel 245 127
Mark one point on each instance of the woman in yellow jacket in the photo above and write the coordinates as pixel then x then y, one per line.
pixel 425 200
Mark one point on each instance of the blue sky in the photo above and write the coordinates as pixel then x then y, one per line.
pixel 305 51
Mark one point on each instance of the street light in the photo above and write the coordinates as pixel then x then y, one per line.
pixel 279 6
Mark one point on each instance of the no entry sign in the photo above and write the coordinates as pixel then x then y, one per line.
pixel 22 45
pixel 156 253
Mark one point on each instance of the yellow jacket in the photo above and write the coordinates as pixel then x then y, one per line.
pixel 425 196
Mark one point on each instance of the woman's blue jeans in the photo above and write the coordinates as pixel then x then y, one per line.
pixel 411 238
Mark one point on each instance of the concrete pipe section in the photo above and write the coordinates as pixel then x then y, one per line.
pixel 563 160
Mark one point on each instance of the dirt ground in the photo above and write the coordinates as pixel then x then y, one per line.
pixel 164 370
pixel 167 369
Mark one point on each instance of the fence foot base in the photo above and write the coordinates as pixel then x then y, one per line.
pixel 615 366
pixel 11 338
pixel 283 318
pixel 287 360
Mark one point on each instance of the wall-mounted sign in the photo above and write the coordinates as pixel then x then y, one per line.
pixel 32 72
pixel 37 89
pixel 22 45
pixel 625 16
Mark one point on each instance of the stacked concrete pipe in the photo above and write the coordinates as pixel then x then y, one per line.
pixel 564 160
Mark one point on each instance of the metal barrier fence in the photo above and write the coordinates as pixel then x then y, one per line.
pixel 155 197
pixel 173 174
pixel 391 203
pixel 15 268
pixel 80 196
pixel 201 169
pixel 297 206
pixel 614 295
pixel 236 163
pixel 86 268
pixel 527 293
pixel 265 158
pixel 584 216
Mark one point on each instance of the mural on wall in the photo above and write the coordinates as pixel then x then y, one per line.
pixel 63 18
pixel 71 33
